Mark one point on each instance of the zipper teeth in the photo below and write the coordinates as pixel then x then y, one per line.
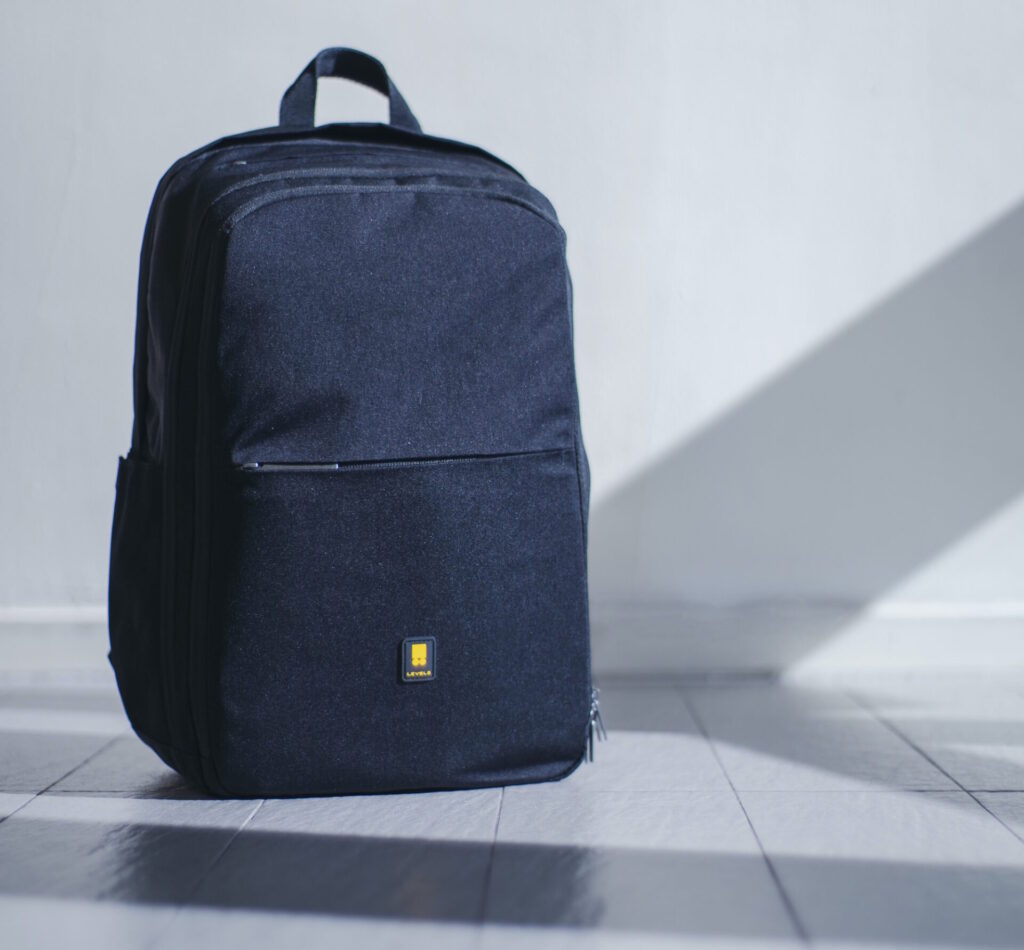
pixel 595 724
pixel 356 175
pixel 442 160
pixel 412 184
pixel 298 467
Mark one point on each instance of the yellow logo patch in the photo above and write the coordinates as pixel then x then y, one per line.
pixel 419 659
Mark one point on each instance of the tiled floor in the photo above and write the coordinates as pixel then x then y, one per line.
pixel 889 813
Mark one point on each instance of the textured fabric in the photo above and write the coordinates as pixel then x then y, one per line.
pixel 134 607
pixel 338 343
pixel 323 575
pixel 356 424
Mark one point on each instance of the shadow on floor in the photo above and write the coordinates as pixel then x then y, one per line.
pixel 835 732
pixel 818 728
pixel 646 891
pixel 864 461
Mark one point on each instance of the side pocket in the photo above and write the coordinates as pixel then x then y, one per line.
pixel 134 596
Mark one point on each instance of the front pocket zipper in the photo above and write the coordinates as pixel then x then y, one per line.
pixel 299 467
pixel 289 467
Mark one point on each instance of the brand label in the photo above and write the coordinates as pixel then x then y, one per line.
pixel 419 659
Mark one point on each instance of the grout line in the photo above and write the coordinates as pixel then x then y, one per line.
pixel 224 850
pixel 490 859
pixel 179 907
pixel 787 903
pixel 32 796
pixel 896 731
pixel 993 791
pixel 1013 831
pixel 81 765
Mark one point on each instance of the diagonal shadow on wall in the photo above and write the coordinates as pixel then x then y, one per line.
pixel 873 454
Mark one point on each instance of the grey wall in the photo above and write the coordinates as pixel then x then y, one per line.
pixel 796 232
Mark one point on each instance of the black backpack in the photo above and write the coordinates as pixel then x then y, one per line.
pixel 349 542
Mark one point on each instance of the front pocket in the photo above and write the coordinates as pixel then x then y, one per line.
pixel 319 577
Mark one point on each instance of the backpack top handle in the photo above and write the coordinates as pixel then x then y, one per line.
pixel 298 104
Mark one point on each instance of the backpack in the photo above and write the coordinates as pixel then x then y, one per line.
pixel 349 540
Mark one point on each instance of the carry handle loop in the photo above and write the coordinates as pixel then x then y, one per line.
pixel 298 104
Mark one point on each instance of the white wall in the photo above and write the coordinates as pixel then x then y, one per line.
pixel 796 233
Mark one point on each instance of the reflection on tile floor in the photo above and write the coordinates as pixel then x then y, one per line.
pixel 890 813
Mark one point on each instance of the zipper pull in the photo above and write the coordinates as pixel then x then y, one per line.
pixel 250 466
pixel 595 724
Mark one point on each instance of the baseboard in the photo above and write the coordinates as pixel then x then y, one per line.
pixel 66 645
pixel 645 639
pixel 53 614
pixel 799 638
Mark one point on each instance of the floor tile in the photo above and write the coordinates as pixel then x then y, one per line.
pixel 978 755
pixel 126 850
pixel 450 816
pixel 974 731
pixel 672 821
pixel 198 928
pixel 653 745
pixel 47 923
pixel 203 813
pixel 658 864
pixel 125 767
pixel 922 697
pixel 30 762
pixel 644 708
pixel 890 867
pixel 10 803
pixel 510 937
pixel 647 847
pixel 648 762
pixel 780 738
pixel 396 857
pixel 1008 807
